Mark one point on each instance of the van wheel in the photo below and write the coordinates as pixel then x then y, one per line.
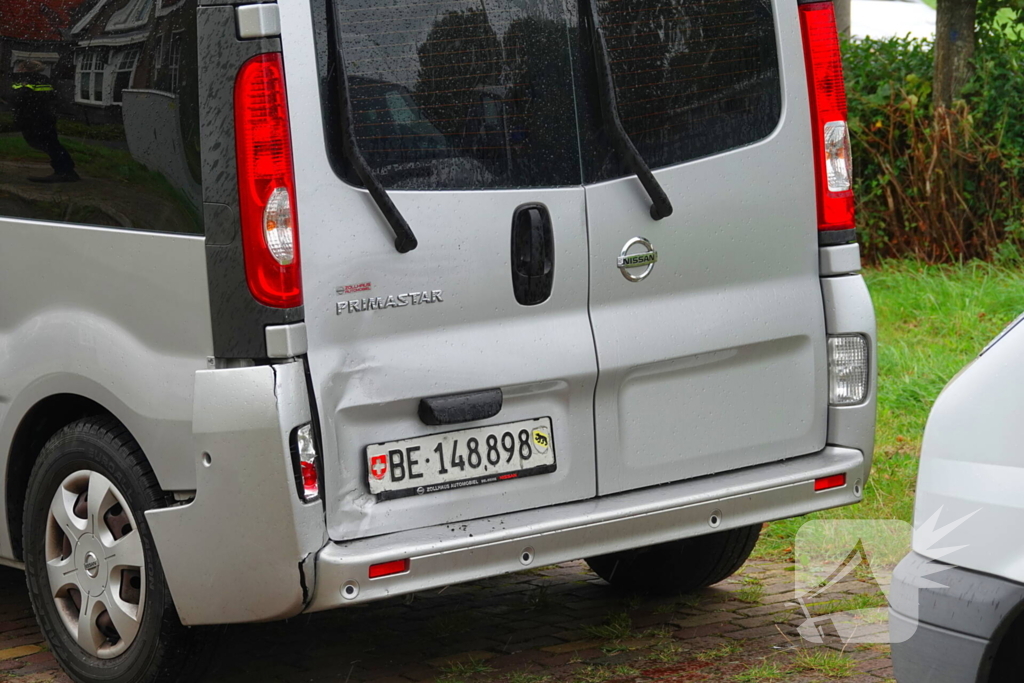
pixel 678 566
pixel 93 574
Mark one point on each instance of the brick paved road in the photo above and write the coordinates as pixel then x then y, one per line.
pixel 559 624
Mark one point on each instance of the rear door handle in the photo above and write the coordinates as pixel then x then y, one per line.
pixel 533 254
pixel 456 408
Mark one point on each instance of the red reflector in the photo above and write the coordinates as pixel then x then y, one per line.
pixel 828 116
pixel 266 183
pixel 388 568
pixel 310 480
pixel 833 482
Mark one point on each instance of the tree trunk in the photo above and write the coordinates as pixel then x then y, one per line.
pixel 954 48
pixel 843 17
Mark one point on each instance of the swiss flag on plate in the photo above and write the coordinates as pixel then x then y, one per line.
pixel 379 466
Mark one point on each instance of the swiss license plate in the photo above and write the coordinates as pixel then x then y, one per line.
pixel 454 460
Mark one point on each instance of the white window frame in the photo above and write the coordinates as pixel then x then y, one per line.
pixel 87 66
pixel 118 66
pixel 174 60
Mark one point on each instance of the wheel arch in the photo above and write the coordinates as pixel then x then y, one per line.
pixel 44 419
pixel 154 406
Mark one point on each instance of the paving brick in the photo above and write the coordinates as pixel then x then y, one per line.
pixel 574 646
pixel 16 652
pixel 760 631
pixel 768 609
pixel 706 630
pixel 462 658
pixel 701 620
pixel 775 587
pixel 788 596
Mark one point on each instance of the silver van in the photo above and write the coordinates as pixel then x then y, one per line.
pixel 310 303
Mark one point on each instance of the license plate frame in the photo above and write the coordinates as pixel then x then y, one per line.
pixel 384 459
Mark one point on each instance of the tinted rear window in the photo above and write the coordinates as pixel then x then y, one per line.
pixel 456 94
pixel 691 78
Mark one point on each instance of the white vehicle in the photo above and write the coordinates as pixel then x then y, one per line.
pixel 967 624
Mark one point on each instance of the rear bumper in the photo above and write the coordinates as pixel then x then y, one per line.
pixel 947 633
pixel 455 553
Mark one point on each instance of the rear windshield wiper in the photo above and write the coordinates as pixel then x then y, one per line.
pixel 661 206
pixel 405 240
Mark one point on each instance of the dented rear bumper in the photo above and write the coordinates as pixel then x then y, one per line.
pixel 242 549
pixel 454 553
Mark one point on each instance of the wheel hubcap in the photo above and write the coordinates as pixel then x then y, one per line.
pixel 95 564
pixel 91 565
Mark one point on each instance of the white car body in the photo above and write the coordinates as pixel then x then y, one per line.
pixel 957 598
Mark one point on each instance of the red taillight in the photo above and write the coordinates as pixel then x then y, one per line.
pixel 266 183
pixel 388 568
pixel 833 167
pixel 833 482
pixel 310 480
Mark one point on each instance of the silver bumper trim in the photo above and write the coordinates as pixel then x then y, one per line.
pixel 456 553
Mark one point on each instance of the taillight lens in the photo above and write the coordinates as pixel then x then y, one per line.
pixel 266 183
pixel 306 461
pixel 833 165
pixel 848 369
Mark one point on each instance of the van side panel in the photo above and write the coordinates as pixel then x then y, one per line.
pixel 119 317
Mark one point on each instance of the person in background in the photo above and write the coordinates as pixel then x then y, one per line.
pixel 34 104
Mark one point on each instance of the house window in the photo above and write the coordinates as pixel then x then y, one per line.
pixel 124 70
pixel 174 61
pixel 159 59
pixel 91 68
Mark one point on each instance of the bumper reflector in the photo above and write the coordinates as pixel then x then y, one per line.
pixel 833 482
pixel 847 369
pixel 388 568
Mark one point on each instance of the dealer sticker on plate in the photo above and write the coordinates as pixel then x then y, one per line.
pixel 468 457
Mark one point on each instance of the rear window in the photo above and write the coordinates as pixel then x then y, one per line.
pixel 691 78
pixel 456 94
pixel 453 94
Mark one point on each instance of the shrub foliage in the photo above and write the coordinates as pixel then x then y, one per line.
pixel 941 185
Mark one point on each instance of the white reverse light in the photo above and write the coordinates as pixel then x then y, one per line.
pixel 847 369
pixel 838 157
pixel 278 227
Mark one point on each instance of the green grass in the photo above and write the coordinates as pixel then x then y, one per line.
pixel 99 161
pixel 616 627
pixel 824 661
pixel 765 671
pixel 526 677
pixel 850 604
pixel 932 320
pixel 723 650
pixel 458 671
pixel 752 593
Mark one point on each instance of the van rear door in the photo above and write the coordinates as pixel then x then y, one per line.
pixel 451 109
pixel 716 359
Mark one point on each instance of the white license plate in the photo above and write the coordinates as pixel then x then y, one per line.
pixel 468 457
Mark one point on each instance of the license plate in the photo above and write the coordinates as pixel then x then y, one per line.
pixel 454 460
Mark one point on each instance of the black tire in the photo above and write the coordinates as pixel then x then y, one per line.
pixel 163 651
pixel 678 566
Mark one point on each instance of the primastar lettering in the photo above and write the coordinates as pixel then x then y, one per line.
pixel 375 303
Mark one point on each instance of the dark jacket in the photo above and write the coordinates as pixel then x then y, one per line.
pixel 33 100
